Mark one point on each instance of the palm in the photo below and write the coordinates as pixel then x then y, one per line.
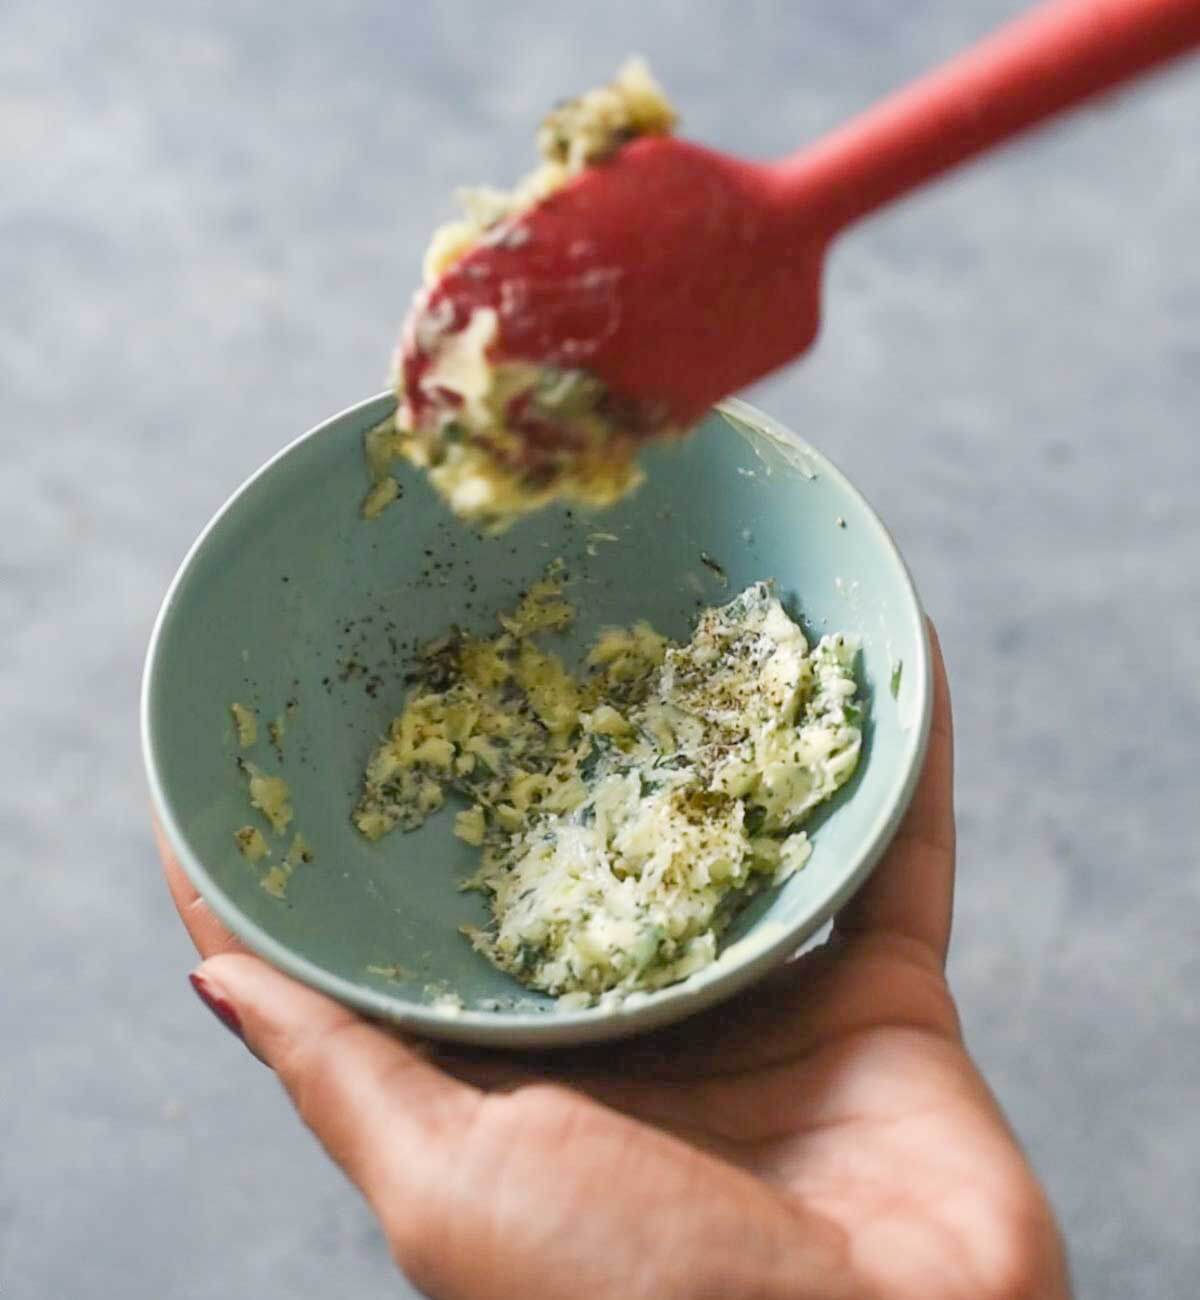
pixel 844 1091
pixel 890 1133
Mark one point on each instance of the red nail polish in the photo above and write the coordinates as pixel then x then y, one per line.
pixel 220 1006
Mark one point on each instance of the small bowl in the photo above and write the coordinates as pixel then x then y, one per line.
pixel 289 602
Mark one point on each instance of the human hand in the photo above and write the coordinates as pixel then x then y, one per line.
pixel 823 1135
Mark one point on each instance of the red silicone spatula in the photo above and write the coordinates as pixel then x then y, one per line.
pixel 677 275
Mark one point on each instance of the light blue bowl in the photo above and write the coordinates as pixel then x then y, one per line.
pixel 288 595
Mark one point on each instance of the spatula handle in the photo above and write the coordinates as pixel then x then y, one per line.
pixel 1047 60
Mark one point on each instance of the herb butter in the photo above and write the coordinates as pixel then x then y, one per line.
pixel 479 426
pixel 625 813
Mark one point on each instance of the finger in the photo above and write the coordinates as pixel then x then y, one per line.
pixel 911 892
pixel 208 934
pixel 381 1110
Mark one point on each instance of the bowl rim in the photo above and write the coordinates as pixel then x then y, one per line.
pixel 640 1012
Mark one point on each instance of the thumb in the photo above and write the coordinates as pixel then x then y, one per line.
pixel 911 892
pixel 386 1115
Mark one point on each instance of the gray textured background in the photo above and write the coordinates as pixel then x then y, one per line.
pixel 210 221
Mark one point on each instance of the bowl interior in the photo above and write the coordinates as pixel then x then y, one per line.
pixel 292 604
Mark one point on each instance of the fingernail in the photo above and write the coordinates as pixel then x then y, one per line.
pixel 220 1006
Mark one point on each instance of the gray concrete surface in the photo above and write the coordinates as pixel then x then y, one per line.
pixel 210 221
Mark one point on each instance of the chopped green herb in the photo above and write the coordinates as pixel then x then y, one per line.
pixel 713 567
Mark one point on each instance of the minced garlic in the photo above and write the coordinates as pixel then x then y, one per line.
pixel 271 795
pixel 251 844
pixel 275 882
pixel 245 723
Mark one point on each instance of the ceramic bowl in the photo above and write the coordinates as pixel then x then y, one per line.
pixel 291 603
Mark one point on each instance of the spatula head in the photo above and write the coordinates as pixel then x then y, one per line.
pixel 674 274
